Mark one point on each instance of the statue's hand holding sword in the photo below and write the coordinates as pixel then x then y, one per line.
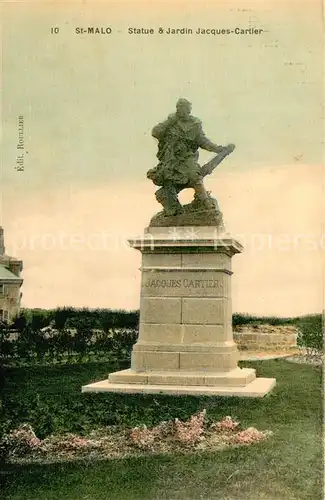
pixel 209 167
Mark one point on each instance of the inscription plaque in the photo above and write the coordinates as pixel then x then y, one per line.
pixel 185 282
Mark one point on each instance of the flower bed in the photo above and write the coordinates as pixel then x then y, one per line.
pixel 172 436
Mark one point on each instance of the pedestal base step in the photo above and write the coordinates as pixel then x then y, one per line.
pixel 256 389
pixel 238 377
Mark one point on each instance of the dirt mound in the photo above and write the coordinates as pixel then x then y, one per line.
pixel 267 329
pixel 265 337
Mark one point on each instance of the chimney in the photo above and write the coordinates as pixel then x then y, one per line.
pixel 15 267
pixel 2 241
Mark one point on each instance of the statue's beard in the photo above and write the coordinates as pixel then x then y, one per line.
pixel 183 116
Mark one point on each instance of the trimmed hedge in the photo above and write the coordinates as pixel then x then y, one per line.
pixel 239 319
pixel 68 335
pixel 67 316
pixel 106 318
pixel 65 346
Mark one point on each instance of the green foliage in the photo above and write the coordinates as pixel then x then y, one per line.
pixel 78 342
pixel 311 332
pixel 106 319
pixel 58 318
pixel 6 344
pixel 241 319
pixel 38 321
pixel 20 322
pixel 68 335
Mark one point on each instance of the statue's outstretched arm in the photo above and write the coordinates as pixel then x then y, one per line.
pixel 206 144
pixel 159 130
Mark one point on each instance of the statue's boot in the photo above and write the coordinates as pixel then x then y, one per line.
pixel 201 197
pixel 167 196
pixel 203 202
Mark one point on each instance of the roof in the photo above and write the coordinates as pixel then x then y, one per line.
pixel 6 260
pixel 5 274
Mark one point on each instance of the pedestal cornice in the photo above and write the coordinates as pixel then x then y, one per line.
pixel 186 239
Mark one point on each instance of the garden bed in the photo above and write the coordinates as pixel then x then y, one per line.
pixel 22 446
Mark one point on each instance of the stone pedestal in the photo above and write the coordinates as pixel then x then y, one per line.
pixel 185 343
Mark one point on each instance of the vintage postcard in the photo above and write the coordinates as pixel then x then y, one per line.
pixel 162 174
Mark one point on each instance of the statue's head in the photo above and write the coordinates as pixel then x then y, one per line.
pixel 183 108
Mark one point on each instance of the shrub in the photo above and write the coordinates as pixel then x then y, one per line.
pixel 6 343
pixel 60 317
pixel 77 339
pixel 240 319
pixel 20 322
pixel 39 320
pixel 69 335
pixel 311 334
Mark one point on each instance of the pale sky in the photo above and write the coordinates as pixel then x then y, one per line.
pixel 89 103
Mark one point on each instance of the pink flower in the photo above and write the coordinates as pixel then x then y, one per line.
pixel 190 432
pixel 142 437
pixel 251 435
pixel 226 424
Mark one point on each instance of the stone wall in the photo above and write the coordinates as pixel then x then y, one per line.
pixel 266 337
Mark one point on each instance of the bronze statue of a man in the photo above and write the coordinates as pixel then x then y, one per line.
pixel 180 137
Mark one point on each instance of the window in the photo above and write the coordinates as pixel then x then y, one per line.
pixel 5 316
pixel 2 289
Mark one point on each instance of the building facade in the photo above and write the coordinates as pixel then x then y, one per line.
pixel 10 283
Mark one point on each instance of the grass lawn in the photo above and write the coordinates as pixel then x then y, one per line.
pixel 289 465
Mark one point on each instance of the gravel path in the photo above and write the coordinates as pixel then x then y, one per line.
pixel 297 356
